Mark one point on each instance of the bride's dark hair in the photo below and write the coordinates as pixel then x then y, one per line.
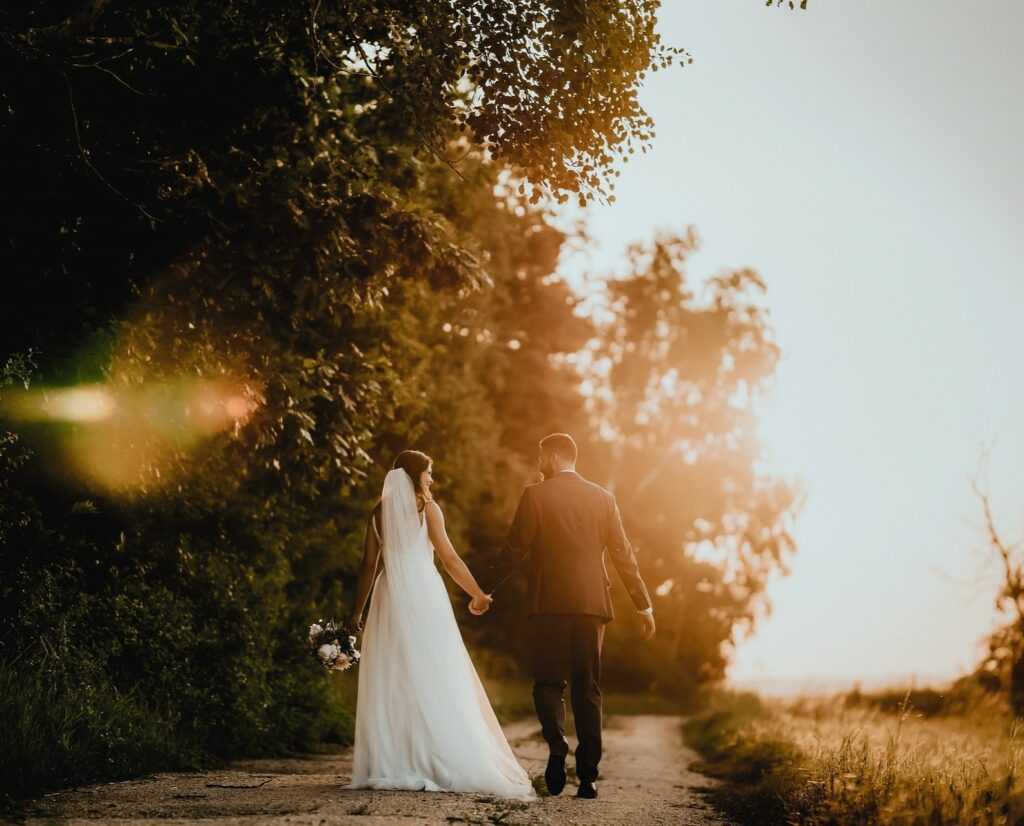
pixel 414 462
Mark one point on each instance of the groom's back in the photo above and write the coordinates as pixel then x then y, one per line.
pixel 574 521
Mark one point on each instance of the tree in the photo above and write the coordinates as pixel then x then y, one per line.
pixel 251 195
pixel 292 202
pixel 1005 660
pixel 676 383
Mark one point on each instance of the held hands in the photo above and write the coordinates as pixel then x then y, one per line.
pixel 479 605
pixel 647 626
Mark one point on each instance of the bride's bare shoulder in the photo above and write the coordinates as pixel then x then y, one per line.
pixel 373 518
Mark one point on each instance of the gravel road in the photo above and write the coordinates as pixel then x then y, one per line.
pixel 645 779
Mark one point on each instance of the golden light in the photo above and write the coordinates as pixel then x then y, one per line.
pixel 80 404
pixel 237 407
pixel 89 403
pixel 126 438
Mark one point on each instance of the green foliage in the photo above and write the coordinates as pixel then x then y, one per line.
pixel 208 187
pixel 244 137
pixel 198 585
pixel 269 196
pixel 55 733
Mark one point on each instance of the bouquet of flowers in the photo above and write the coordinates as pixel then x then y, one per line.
pixel 332 646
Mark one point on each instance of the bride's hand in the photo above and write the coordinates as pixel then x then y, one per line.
pixel 479 605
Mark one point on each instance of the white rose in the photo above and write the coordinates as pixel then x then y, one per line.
pixel 315 629
pixel 327 652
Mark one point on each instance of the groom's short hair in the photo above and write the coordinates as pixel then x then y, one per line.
pixel 560 443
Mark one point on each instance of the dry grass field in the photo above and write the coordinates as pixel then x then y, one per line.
pixel 825 761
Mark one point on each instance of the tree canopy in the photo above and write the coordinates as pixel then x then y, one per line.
pixel 276 244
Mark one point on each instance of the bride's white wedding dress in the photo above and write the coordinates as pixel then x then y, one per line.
pixel 423 720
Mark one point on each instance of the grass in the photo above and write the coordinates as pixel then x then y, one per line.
pixel 338 724
pixel 513 700
pixel 822 761
pixel 53 735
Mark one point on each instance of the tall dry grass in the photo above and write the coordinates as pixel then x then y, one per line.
pixel 821 761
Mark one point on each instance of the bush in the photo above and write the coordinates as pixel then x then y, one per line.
pixel 54 733
pixel 127 647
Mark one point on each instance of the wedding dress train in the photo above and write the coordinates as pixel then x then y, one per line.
pixel 423 720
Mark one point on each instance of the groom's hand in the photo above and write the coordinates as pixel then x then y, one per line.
pixel 647 625
pixel 479 605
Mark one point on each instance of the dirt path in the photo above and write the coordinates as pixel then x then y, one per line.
pixel 644 780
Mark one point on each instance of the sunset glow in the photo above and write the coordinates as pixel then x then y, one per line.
pixel 885 225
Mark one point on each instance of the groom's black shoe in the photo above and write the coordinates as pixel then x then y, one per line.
pixel 554 774
pixel 587 790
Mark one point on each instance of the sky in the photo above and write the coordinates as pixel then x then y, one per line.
pixel 866 158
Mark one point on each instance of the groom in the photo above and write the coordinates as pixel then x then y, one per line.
pixel 564 525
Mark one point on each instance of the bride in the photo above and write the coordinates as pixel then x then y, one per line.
pixel 423 720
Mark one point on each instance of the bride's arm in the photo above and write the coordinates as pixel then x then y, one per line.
pixel 367 569
pixel 451 561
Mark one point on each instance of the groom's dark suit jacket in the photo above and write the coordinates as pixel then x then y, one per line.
pixel 563 525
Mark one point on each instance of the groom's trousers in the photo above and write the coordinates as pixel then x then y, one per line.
pixel 567 649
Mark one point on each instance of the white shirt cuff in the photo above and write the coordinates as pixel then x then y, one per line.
pixel 647 611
